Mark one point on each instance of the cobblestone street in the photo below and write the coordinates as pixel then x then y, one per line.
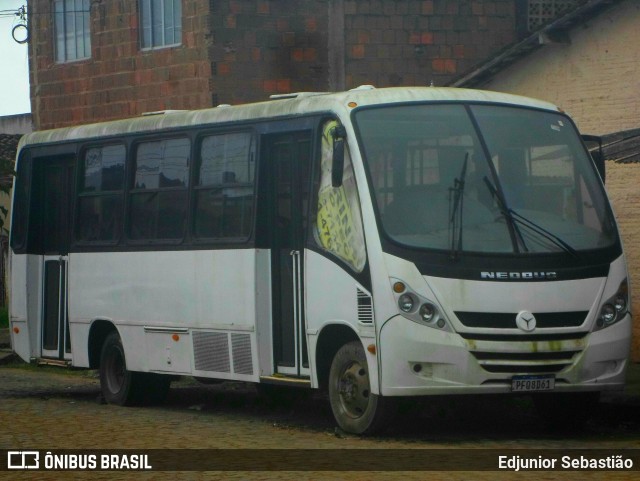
pixel 45 408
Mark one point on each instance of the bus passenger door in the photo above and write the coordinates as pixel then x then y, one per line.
pixel 288 158
pixel 53 182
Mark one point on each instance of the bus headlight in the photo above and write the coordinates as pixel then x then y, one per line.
pixel 427 312
pixel 405 303
pixel 620 303
pixel 418 308
pixel 608 314
pixel 614 308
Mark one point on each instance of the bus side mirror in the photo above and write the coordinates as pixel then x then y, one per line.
pixel 594 144
pixel 337 162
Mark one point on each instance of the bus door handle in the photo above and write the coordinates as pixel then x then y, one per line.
pixel 295 259
pixel 295 255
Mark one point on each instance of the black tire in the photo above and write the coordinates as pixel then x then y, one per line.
pixel 354 407
pixel 127 388
pixel 566 411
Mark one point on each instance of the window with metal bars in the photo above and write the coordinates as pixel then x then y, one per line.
pixel 160 23
pixel 72 30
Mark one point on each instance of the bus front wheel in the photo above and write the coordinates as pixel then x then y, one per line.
pixel 356 409
pixel 123 387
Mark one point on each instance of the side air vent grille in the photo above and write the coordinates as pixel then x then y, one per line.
pixel 241 349
pixel 365 307
pixel 212 352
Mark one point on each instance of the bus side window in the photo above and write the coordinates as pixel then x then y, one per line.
pixel 159 195
pixel 101 194
pixel 339 227
pixel 21 194
pixel 224 188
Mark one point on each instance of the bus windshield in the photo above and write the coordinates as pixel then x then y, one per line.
pixel 483 178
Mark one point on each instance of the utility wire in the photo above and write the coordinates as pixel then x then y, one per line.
pixel 20 31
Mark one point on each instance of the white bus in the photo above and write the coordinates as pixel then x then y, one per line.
pixel 376 243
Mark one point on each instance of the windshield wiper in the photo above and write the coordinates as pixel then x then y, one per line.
pixel 554 239
pixel 506 212
pixel 515 218
pixel 455 210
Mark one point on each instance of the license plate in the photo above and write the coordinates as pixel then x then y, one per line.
pixel 532 383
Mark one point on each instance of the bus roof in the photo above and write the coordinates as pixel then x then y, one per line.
pixel 287 105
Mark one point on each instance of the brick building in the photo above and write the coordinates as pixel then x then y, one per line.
pixel 100 60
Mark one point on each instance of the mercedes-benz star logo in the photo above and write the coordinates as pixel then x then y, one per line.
pixel 526 321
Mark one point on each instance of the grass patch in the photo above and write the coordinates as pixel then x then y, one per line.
pixel 71 371
pixel 4 317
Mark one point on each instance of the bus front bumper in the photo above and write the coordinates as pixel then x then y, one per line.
pixel 417 360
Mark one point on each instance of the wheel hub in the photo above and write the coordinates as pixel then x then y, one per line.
pixel 354 389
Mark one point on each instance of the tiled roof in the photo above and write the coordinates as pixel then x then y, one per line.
pixel 622 147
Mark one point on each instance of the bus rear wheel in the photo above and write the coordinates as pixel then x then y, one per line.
pixel 127 388
pixel 356 409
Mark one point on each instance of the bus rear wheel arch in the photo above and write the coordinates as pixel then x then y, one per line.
pixel 123 387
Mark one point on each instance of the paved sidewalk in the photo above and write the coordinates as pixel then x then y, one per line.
pixel 629 398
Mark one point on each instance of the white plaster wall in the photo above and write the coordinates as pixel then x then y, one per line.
pixel 595 78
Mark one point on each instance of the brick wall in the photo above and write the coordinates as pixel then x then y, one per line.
pixel 119 80
pixel 265 47
pixel 279 46
pixel 409 42
pixel 622 186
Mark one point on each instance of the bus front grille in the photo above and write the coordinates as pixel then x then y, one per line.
pixel 564 336
pixel 502 320
pixel 525 362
